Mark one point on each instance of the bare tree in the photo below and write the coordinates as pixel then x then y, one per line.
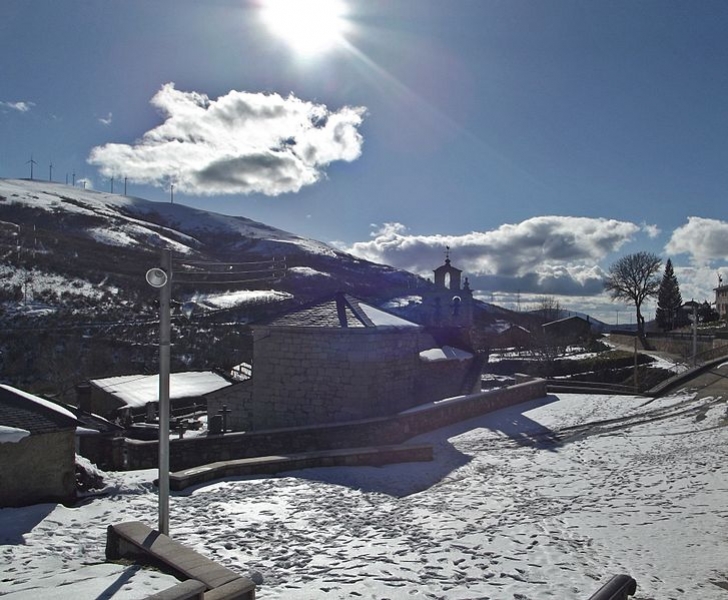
pixel 633 278
pixel 549 309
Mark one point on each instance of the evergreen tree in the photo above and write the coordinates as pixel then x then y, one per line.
pixel 669 300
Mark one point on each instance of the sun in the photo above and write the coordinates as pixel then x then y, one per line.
pixel 309 26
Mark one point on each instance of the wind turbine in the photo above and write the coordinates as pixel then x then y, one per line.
pixel 31 162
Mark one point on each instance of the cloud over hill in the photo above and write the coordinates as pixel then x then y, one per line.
pixel 547 254
pixel 239 143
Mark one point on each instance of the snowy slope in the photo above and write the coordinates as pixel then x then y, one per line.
pixel 541 501
pixel 52 229
pixel 127 220
pixel 73 264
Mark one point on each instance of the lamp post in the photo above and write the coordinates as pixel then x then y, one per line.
pixel 161 278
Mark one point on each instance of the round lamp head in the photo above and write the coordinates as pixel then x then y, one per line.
pixel 157 277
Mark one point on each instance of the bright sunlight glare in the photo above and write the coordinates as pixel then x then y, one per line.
pixel 309 26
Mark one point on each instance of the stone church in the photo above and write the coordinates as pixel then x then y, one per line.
pixel 340 359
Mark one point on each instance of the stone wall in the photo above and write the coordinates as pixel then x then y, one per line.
pixel 192 452
pixel 303 376
pixel 237 399
pixel 442 379
pixel 38 468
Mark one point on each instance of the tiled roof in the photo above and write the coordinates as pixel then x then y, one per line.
pixel 17 409
pixel 338 311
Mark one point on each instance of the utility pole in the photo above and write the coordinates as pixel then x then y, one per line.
pixel 112 184
pixel 125 186
pixel 695 334
pixel 50 172
pixel 74 179
pixel 171 192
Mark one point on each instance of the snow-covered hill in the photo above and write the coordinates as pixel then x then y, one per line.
pixel 72 266
pixel 44 219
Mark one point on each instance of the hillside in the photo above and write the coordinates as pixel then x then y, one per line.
pixel 74 300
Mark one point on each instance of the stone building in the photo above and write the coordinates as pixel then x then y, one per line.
pixel 569 330
pixel 721 299
pixel 37 450
pixel 340 359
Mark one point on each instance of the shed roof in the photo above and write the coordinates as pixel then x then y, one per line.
pixel 571 319
pixel 139 390
pixel 339 311
pixel 21 410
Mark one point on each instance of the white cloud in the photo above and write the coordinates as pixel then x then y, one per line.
pixel 240 143
pixel 18 106
pixel 107 120
pixel 651 230
pixel 705 241
pixel 549 254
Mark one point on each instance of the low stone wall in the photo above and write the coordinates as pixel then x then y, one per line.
pixel 192 452
pixel 376 456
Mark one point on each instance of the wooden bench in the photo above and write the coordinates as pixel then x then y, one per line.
pixel 619 587
pixel 269 465
pixel 136 541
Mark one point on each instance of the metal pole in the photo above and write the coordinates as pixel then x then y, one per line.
pixel 695 335
pixel 636 368
pixel 164 351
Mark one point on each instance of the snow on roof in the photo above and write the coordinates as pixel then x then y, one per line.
pixel 12 435
pixel 40 401
pixel 384 319
pixel 139 390
pixel 444 353
pixel 339 310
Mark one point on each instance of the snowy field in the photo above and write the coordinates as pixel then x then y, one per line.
pixel 544 500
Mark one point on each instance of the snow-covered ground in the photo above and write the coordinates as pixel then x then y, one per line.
pixel 544 500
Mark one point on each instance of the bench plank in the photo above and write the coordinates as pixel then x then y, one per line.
pixel 138 541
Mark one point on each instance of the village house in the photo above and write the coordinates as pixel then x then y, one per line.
pixel 37 450
pixel 721 299
pixel 120 397
pixel 340 359
pixel 515 336
pixel 567 331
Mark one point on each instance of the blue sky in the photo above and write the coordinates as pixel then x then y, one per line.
pixel 541 141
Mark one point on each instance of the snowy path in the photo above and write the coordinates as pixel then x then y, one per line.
pixel 546 500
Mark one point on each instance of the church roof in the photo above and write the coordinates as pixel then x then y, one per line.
pixel 339 311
